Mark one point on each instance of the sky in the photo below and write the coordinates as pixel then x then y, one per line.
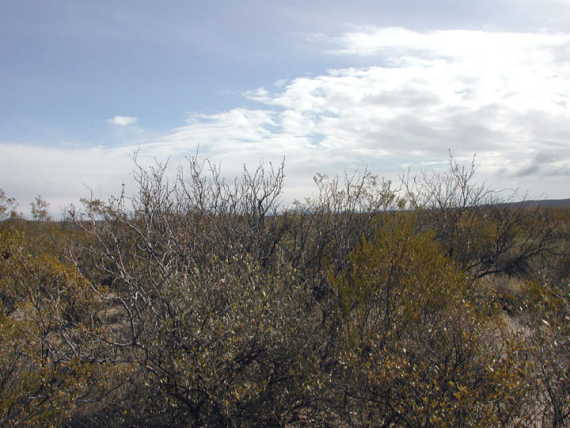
pixel 329 86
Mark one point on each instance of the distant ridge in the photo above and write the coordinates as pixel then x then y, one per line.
pixel 550 203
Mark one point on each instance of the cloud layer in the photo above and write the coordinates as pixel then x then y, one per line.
pixel 504 96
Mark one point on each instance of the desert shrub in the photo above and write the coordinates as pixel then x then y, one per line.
pixel 8 206
pixel 415 352
pixel 545 334
pixel 476 225
pixel 200 301
pixel 48 362
pixel 224 327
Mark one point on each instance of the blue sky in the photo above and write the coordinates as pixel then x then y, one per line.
pixel 330 85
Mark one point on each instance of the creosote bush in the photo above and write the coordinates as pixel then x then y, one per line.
pixel 48 363
pixel 201 301
pixel 414 340
pixel 477 228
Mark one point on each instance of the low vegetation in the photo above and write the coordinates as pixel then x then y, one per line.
pixel 202 302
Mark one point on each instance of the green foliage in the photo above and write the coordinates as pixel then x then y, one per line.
pixel 414 341
pixel 396 265
pixel 44 331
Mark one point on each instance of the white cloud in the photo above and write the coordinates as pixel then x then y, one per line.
pixel 447 44
pixel 504 96
pixel 63 175
pixel 123 120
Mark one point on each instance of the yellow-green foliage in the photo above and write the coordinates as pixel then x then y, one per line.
pixel 398 277
pixel 43 306
pixel 413 339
